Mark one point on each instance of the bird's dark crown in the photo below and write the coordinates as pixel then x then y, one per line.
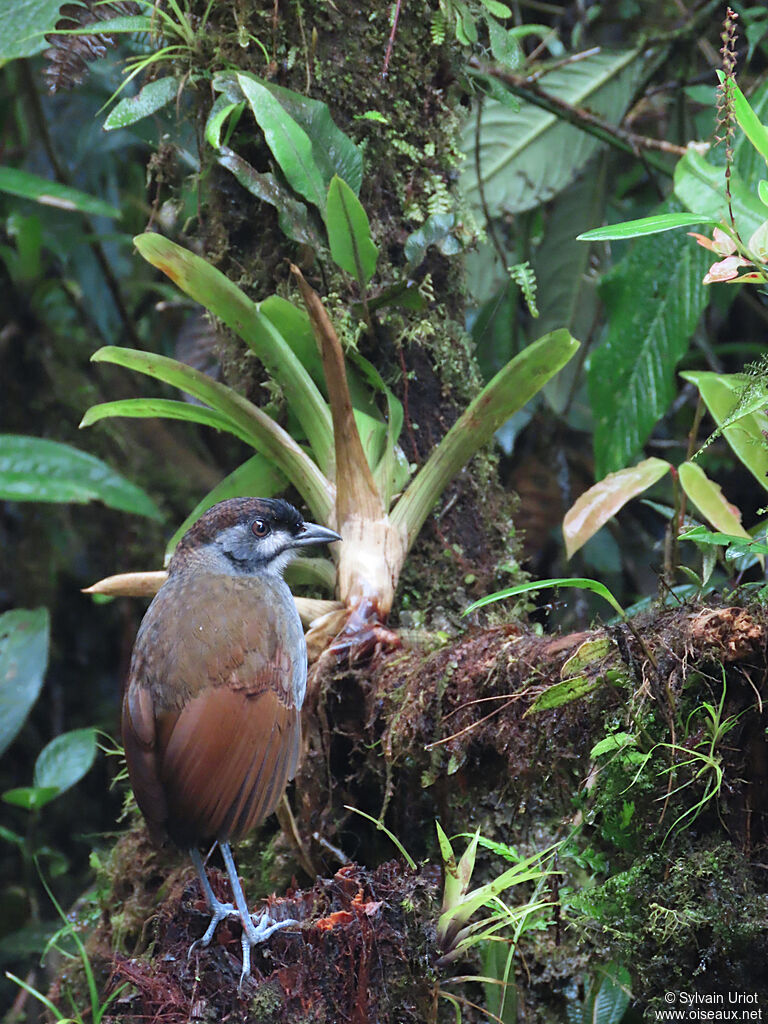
pixel 279 515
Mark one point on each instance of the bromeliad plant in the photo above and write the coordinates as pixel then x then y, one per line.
pixel 353 475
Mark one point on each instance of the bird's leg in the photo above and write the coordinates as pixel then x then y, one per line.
pixel 218 909
pixel 254 931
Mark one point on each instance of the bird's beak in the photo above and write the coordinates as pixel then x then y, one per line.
pixel 314 534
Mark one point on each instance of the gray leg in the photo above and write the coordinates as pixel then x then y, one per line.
pixel 218 909
pixel 256 931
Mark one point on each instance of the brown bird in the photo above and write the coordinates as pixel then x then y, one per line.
pixel 211 712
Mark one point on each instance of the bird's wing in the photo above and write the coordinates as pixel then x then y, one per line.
pixel 212 731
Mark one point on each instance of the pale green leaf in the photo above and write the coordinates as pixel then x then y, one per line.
pixel 710 501
pixel 602 501
pixel 25 24
pixel 165 408
pixel 743 429
pixel 528 155
pixel 700 186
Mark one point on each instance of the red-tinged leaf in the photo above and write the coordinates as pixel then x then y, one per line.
pixel 601 502
pixel 710 501
pixel 725 270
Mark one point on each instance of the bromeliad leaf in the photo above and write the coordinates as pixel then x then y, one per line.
pixel 166 408
pixel 224 299
pixel 263 433
pixel 288 141
pixel 349 233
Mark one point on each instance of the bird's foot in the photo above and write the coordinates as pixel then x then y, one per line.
pixel 257 929
pixel 219 911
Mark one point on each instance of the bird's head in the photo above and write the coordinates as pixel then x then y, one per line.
pixel 247 536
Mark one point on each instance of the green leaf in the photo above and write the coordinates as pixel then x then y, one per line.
pixel 34 469
pixel 257 476
pixel 612 744
pixel 578 582
pixel 263 433
pixel 722 394
pixel 708 498
pixel 128 24
pixel 701 535
pixel 528 155
pixel 23 660
pixel 609 997
pixel 220 111
pixel 653 298
pixel 701 187
pixel 65 760
pixel 165 408
pixel 220 296
pixel 586 655
pixel 292 215
pixel 349 233
pixel 151 98
pixel 510 389
pixel 564 692
pixel 748 120
pixel 31 798
pixel 289 143
pixel 645 226
pixel 50 193
pixel 25 23
pixel 602 501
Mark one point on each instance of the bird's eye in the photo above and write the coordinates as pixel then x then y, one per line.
pixel 260 528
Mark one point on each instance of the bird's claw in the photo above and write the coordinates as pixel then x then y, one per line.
pixel 260 929
pixel 219 911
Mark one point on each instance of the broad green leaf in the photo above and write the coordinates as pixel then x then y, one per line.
pixel 528 155
pixel 580 583
pixel 609 997
pixel 645 226
pixel 722 393
pixel 748 120
pixel 31 798
pixel 255 478
pixel 25 23
pixel 708 498
pixel 653 298
pixel 349 233
pixel 750 164
pixel 612 744
pixel 510 390
pixel 289 143
pixel 151 98
pixel 602 501
pixel 293 215
pixel 34 469
pixel 263 433
pixel 564 692
pixel 701 187
pixel 220 296
pixel 23 660
pixel 334 152
pixel 165 408
pixel 50 193
pixel 66 759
